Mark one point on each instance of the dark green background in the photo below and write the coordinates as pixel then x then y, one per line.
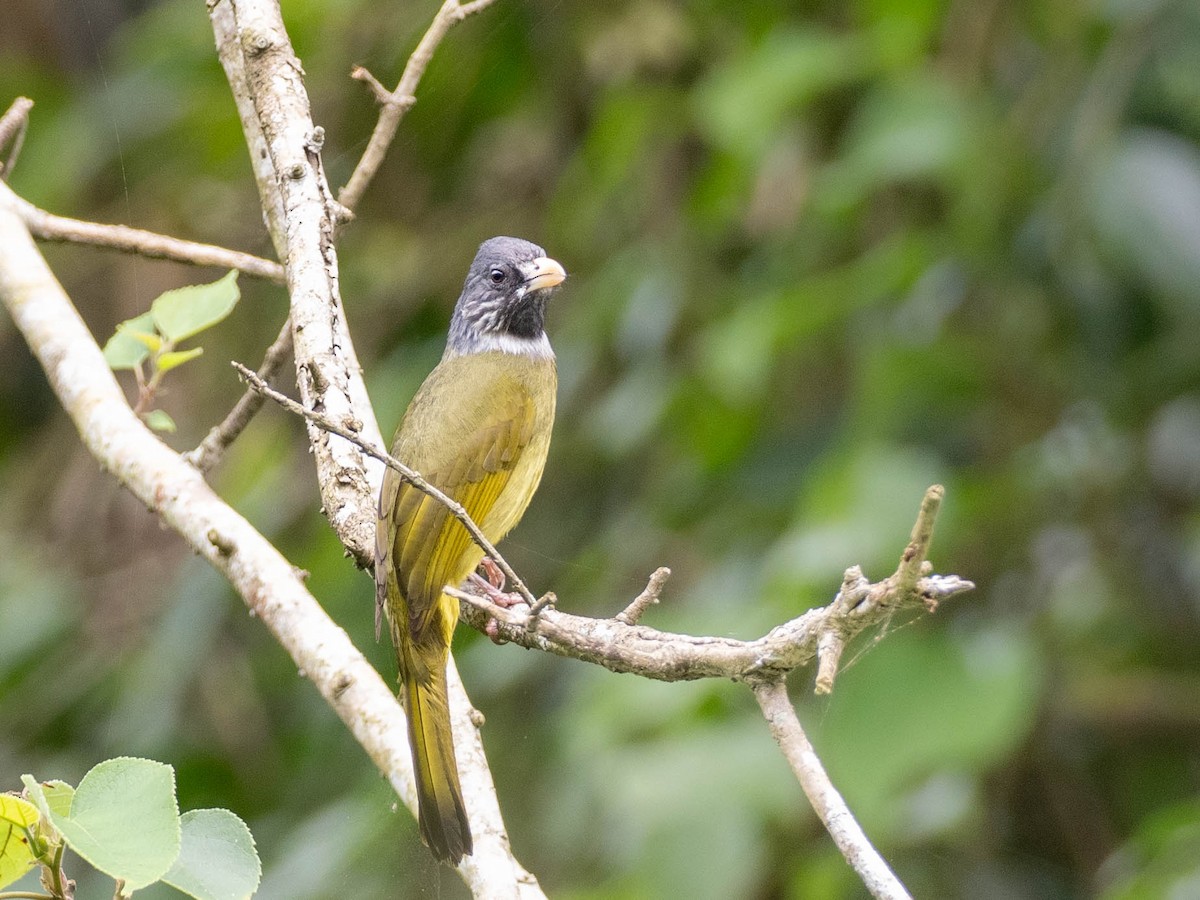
pixel 823 255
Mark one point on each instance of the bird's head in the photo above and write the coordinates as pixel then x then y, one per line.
pixel 503 302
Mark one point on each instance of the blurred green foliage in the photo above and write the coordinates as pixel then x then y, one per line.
pixel 823 255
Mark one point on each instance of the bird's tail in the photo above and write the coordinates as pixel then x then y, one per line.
pixel 443 818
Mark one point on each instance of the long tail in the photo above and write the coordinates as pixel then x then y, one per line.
pixel 443 818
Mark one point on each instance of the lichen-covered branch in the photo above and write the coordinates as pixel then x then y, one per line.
pixel 50 227
pixel 267 83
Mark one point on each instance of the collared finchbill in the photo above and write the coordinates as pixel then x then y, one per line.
pixel 543 273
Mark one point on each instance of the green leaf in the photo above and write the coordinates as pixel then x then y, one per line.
pixel 172 358
pixel 124 350
pixel 58 796
pixel 218 860
pixel 187 310
pixel 158 420
pixel 124 820
pixel 16 856
pixel 51 797
pixel 16 811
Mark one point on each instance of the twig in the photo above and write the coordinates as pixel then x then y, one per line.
pixel 12 128
pixel 210 450
pixel 832 642
pixel 917 550
pixel 396 103
pixel 413 478
pixel 647 598
pixel 50 227
pixel 875 873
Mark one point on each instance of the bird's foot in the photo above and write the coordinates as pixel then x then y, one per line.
pixel 493 588
pixel 495 575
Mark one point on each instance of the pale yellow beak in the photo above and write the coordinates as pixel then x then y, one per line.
pixel 543 273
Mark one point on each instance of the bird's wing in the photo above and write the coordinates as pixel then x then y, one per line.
pixel 430 548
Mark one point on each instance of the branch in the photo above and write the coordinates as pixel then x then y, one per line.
pixel 620 646
pixel 270 586
pixel 412 477
pixel 266 79
pixel 12 128
pixel 210 450
pixel 49 227
pixel 401 100
pixel 875 873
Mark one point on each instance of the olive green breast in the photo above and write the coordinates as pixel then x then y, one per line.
pixel 482 417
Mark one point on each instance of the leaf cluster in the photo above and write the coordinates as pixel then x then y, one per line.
pixel 124 820
pixel 148 344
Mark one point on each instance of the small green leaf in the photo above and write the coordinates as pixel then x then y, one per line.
pixel 172 358
pixel 218 860
pixel 58 796
pixel 16 811
pixel 158 420
pixel 187 310
pixel 16 855
pixel 124 350
pixel 147 339
pixel 124 820
pixel 51 798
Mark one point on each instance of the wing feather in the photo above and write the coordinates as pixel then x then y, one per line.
pixel 431 548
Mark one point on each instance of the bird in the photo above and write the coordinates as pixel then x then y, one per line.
pixel 478 429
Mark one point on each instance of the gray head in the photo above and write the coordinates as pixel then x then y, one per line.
pixel 503 301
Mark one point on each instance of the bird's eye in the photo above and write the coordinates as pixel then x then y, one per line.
pixel 496 276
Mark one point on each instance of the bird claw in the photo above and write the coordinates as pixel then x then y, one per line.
pixel 493 588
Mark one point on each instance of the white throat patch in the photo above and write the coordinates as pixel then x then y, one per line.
pixel 535 348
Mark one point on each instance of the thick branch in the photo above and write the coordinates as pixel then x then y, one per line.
pixel 875 873
pixel 178 494
pixel 401 100
pixel 266 78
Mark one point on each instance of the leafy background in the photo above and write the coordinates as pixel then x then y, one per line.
pixel 823 254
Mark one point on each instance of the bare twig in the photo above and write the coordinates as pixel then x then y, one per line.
pixel 832 642
pixel 12 128
pixel 917 550
pixel 210 450
pixel 412 477
pixel 647 598
pixel 875 873
pixel 50 227
pixel 396 103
